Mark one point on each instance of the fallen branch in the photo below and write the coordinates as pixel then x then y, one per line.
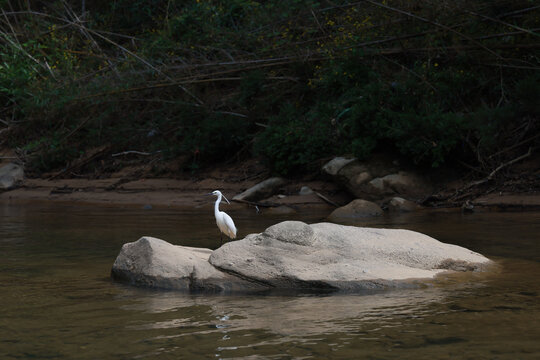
pixel 327 199
pixel 515 146
pixel 76 164
pixel 442 26
pixel 519 158
pixel 135 152
pixel 256 203
pixel 500 167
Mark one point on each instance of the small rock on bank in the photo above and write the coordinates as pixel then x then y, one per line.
pixel 10 175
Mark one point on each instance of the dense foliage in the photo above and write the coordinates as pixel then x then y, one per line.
pixel 293 81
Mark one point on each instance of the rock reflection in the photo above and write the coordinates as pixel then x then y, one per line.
pixel 290 315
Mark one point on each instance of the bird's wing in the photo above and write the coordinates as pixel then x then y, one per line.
pixel 231 229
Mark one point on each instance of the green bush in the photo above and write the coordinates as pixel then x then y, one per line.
pixel 293 81
pixel 293 142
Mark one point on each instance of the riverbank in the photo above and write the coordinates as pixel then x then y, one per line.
pixel 160 192
pixel 189 192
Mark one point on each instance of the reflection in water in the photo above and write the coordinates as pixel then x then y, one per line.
pixel 287 316
pixel 58 300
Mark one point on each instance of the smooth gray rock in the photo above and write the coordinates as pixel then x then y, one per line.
pixel 356 209
pixel 354 175
pixel 377 178
pixel 333 166
pixel 295 256
pixel 305 190
pixel 262 190
pixel 327 256
pixel 398 204
pixel 400 183
pixel 10 175
pixel 152 262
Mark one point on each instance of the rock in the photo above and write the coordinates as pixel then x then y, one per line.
pixel 292 255
pixel 10 175
pixel 305 190
pixel 155 263
pixel 329 257
pixel 398 204
pixel 467 207
pixel 355 209
pixel 400 183
pixel 262 190
pixel 355 175
pixel 377 178
pixel 333 166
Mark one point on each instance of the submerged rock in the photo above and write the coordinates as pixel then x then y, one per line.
pixel 292 255
pixel 10 175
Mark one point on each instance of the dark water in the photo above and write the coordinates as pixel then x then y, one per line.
pixel 58 302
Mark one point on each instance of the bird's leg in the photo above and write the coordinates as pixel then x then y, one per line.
pixel 221 237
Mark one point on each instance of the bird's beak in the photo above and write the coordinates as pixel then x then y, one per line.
pixel 208 194
pixel 226 199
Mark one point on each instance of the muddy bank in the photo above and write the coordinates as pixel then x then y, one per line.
pixel 191 194
pixel 165 192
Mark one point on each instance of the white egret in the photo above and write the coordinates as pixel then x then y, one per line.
pixel 224 222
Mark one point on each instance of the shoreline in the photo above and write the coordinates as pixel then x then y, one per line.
pixel 157 192
pixel 168 192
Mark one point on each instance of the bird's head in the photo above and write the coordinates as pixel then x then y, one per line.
pixel 218 193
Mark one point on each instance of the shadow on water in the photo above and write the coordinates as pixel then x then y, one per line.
pixel 58 301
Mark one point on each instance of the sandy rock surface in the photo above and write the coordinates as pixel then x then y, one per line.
pixel 293 254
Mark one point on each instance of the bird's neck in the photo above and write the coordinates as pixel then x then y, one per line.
pixel 216 205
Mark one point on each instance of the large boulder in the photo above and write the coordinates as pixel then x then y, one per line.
pixel 262 190
pixel 292 255
pixel 10 175
pixel 327 256
pixel 356 209
pixel 406 183
pixel 152 262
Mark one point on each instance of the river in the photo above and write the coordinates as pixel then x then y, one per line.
pixel 58 302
